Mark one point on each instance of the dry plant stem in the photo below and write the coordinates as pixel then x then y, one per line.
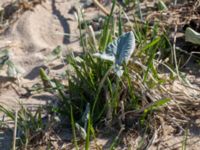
pixel 122 109
pixel 15 131
pixel 172 95
pixel 101 7
pixel 174 50
pixel 137 111
pixel 191 87
pixel 92 34
pixel 154 137
pixel 191 54
pixel 109 112
pixel 164 89
pixel 128 19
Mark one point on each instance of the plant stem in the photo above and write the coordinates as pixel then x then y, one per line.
pixel 15 131
pixel 99 89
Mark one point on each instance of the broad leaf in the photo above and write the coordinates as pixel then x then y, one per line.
pixel 192 36
pixel 12 69
pixel 119 51
pixel 47 82
pixel 105 56
pixel 55 54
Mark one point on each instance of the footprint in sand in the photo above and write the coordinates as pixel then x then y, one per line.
pixel 38 30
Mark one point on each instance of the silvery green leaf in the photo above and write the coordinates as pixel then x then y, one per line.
pixel 122 48
pixel 105 57
pixel 56 53
pixel 192 36
pixel 118 70
pixel 12 69
pixel 119 51
pixel 81 130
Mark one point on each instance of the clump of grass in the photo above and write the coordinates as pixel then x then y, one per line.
pixel 112 99
pixel 31 126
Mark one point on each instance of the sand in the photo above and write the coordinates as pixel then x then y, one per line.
pixel 31 38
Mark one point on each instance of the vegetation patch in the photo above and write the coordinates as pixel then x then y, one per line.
pixel 127 82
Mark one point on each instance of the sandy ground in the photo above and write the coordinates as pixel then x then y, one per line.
pixel 29 40
pixel 32 37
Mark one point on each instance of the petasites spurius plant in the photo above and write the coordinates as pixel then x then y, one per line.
pixel 119 52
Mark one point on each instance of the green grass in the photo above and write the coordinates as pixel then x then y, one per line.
pixel 30 125
pixel 91 81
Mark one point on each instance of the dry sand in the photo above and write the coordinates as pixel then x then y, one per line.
pixel 29 40
pixel 32 37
